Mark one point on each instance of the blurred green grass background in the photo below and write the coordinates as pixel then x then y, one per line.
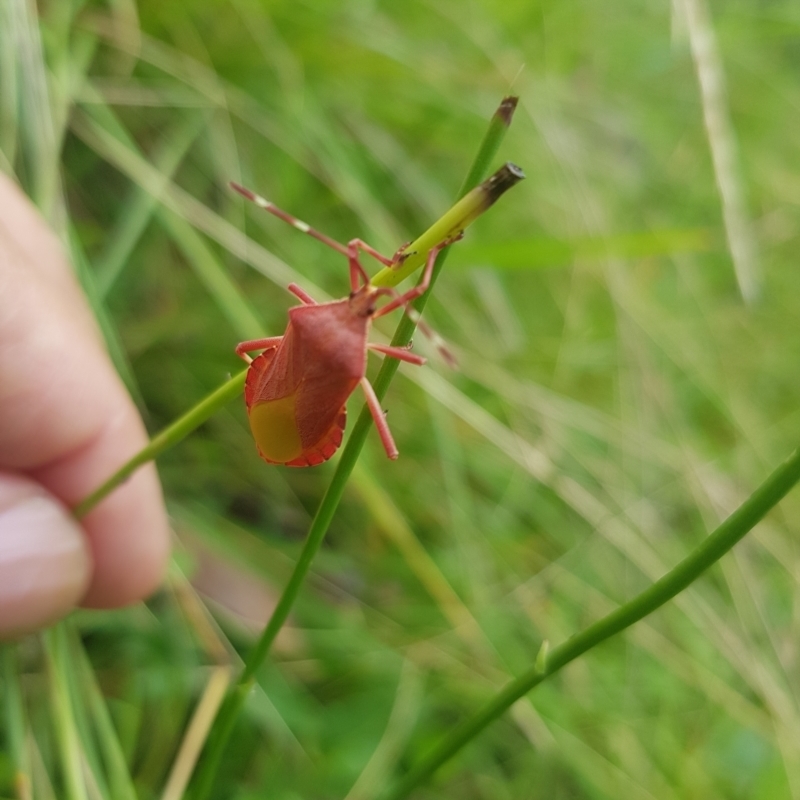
pixel 616 397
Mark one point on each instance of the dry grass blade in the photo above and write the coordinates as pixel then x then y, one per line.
pixel 724 151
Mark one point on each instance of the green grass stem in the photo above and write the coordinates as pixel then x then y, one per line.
pixel 121 785
pixel 16 722
pixel 463 212
pixel 330 502
pixel 733 529
pixel 167 438
pixel 63 716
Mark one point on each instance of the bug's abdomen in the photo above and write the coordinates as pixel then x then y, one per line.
pixel 279 438
pixel 302 428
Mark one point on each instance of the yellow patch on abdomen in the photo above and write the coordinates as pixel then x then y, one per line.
pixel 274 428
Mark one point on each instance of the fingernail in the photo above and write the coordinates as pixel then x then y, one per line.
pixel 44 564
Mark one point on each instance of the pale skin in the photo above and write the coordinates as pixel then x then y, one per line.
pixel 66 424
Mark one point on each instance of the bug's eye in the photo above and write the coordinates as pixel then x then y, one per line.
pixel 352 295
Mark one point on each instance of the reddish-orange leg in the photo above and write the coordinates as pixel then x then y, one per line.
pixel 243 348
pixel 380 419
pixel 305 298
pixel 400 353
pixel 412 294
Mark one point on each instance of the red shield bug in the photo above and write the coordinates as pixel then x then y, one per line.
pixel 297 387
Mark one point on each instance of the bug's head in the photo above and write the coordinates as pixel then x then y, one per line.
pixel 362 301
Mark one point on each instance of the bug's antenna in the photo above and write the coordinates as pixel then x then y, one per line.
pixel 350 250
pixel 304 227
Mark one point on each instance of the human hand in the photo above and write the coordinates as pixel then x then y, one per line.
pixel 66 424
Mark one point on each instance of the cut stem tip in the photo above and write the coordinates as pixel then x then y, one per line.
pixel 498 184
pixel 505 111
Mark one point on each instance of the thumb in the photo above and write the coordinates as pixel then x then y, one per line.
pixel 45 563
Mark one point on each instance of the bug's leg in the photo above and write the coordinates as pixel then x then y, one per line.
pixel 420 289
pixel 406 298
pixel 380 419
pixel 359 244
pixel 400 353
pixel 243 348
pixel 400 255
pixel 358 271
pixel 444 351
pixel 303 296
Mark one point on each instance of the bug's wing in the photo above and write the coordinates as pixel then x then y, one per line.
pixel 320 402
pixel 317 391
pixel 329 347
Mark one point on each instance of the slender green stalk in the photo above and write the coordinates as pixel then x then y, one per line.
pixel 16 719
pixel 405 330
pixel 169 437
pixel 63 716
pixel 121 785
pixel 734 528
pixel 37 132
pixel 470 203
pixel 9 89
pixel 92 762
pixel 458 217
